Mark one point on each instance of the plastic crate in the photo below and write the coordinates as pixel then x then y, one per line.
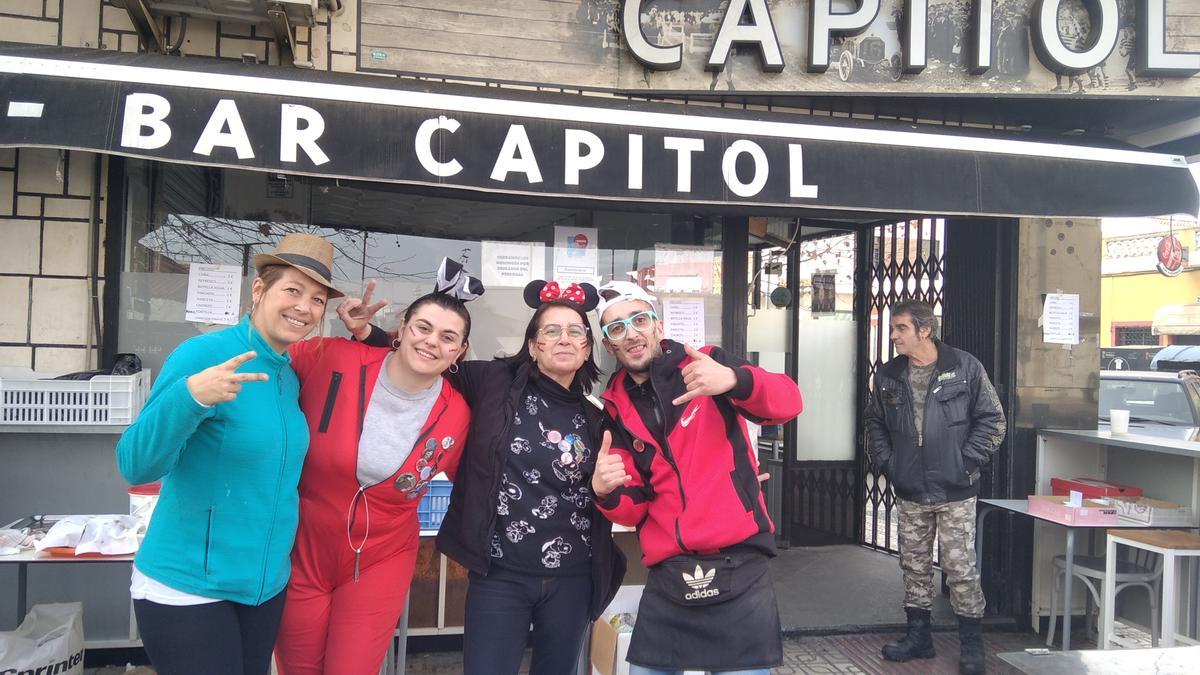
pixel 433 504
pixel 104 399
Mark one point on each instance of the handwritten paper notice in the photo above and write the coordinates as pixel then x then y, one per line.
pixel 213 295
pixel 683 321
pixel 512 264
pixel 1060 319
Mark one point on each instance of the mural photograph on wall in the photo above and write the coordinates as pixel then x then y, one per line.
pixel 984 47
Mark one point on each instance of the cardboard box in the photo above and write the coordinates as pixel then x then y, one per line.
pixel 1054 507
pixel 1153 511
pixel 609 647
pixel 1092 488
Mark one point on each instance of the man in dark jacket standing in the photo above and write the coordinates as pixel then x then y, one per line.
pixel 933 421
pixel 683 471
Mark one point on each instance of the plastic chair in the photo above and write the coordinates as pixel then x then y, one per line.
pixel 1130 573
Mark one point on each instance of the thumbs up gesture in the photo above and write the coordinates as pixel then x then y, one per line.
pixel 704 376
pixel 610 471
pixel 221 382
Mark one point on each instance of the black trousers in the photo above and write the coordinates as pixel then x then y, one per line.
pixel 502 605
pixel 218 638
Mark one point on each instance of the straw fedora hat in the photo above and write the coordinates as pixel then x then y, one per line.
pixel 307 253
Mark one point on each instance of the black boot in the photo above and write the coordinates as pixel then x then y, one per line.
pixel 917 643
pixel 970 646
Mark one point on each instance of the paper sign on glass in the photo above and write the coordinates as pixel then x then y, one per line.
pixel 213 293
pixel 512 264
pixel 683 321
pixel 575 255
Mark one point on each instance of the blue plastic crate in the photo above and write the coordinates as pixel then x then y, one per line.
pixel 433 504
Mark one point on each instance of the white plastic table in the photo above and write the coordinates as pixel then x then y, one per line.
pixel 1170 544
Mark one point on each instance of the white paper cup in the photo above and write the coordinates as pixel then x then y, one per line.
pixel 1118 421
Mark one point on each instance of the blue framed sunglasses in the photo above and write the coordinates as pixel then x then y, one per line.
pixel 618 330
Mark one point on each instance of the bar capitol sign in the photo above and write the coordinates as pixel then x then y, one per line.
pixel 993 47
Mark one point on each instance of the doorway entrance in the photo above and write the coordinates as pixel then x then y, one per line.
pixel 802 321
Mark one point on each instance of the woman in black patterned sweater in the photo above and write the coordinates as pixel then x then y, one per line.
pixel 521 517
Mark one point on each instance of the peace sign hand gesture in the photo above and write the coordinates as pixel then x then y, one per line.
pixel 221 382
pixel 356 314
pixel 704 376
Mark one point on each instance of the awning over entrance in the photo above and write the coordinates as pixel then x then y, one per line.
pixel 1177 320
pixel 491 140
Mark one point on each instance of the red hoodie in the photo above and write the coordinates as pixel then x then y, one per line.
pixel 337 378
pixel 700 493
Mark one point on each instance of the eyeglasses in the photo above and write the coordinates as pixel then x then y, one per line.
pixel 619 329
pixel 553 331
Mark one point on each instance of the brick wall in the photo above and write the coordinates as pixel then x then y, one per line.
pixel 46 196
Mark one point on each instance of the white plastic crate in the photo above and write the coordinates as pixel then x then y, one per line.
pixel 104 399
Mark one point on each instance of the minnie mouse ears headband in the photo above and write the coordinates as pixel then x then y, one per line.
pixel 539 292
pixel 454 281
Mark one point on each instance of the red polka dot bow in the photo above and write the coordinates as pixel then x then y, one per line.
pixel 573 293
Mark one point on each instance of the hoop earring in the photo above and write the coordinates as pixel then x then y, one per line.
pixel 453 368
pixel 395 344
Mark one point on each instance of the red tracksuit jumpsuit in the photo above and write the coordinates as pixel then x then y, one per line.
pixel 342 606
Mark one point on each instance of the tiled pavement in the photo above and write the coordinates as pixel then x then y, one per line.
pixel 857 653
pixel 823 655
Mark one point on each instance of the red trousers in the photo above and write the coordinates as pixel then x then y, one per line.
pixel 334 625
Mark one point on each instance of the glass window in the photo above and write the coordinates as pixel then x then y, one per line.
pixel 1134 335
pixel 1162 401
pixel 177 215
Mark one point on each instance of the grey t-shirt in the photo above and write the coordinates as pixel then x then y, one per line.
pixel 393 421
pixel 918 382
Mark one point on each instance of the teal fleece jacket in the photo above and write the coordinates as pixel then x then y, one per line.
pixel 226 518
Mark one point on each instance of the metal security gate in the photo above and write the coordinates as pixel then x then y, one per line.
pixel 904 260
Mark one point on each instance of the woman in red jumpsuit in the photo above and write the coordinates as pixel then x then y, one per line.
pixel 383 423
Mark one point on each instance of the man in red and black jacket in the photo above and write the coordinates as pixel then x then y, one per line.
pixel 682 469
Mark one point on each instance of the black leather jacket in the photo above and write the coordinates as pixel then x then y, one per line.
pixel 963 426
pixel 493 390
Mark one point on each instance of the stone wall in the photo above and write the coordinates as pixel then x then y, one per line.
pixel 47 321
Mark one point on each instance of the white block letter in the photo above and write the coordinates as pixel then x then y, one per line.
pixel 823 23
pixel 635 161
pixel 729 168
pixel 684 147
pixel 760 31
pixel 516 155
pixel 1154 59
pixel 651 56
pixel 291 136
pixel 575 161
pixel 424 146
pixel 214 134
pixel 1056 56
pixel 796 174
pixel 145 111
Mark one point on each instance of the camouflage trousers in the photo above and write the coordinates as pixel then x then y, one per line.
pixel 954 525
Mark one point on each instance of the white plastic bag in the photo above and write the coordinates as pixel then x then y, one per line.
pixel 49 640
pixel 107 535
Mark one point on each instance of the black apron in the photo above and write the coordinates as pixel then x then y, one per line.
pixel 708 612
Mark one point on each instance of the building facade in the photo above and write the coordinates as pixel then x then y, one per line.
pixel 776 196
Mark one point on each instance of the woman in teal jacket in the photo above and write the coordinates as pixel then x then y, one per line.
pixel 224 431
